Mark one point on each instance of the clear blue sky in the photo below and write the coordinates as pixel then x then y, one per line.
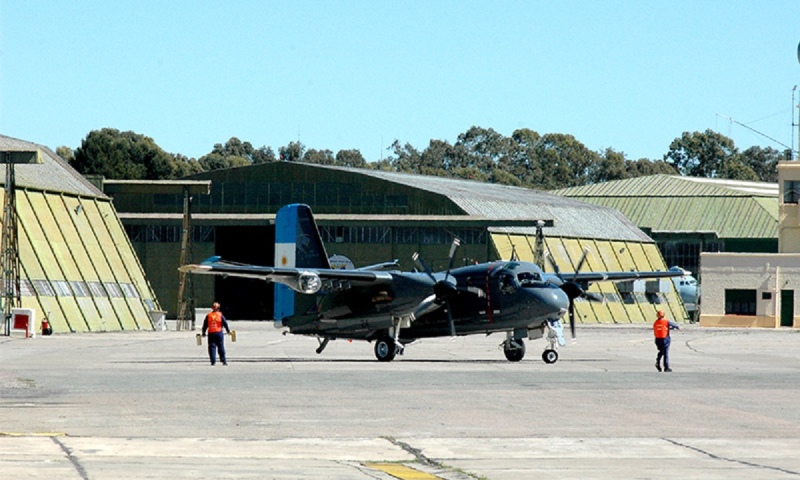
pixel 630 75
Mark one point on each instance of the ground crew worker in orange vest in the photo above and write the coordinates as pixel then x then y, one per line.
pixel 661 328
pixel 214 323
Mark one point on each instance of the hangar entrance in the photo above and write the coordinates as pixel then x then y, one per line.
pixel 244 298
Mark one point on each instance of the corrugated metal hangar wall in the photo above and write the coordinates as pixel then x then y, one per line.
pixel 623 302
pixel 77 265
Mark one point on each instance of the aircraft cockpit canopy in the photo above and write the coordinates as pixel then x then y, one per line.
pixel 521 275
pixel 529 279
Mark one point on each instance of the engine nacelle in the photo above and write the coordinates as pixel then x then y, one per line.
pixel 304 282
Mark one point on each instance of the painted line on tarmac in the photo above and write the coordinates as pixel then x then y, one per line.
pixel 401 471
pixel 33 434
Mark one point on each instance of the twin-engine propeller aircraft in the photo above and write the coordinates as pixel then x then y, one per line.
pixel 393 308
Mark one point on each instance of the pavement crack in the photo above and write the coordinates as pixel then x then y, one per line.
pixel 732 460
pixel 421 458
pixel 73 460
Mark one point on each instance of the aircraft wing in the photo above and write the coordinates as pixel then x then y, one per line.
pixel 303 280
pixel 588 277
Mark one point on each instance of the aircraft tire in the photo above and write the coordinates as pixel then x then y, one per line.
pixel 514 354
pixel 550 356
pixel 385 349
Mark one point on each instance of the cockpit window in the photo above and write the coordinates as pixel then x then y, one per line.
pixel 528 278
pixel 507 285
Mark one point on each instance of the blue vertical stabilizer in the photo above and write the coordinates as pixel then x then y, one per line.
pixel 297 245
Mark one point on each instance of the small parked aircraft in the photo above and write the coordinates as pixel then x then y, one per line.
pixel 688 289
pixel 393 308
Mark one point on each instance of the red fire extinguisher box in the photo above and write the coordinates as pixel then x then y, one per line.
pixel 23 319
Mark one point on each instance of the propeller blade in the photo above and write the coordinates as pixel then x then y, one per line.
pixel 450 321
pixel 443 289
pixel 421 265
pixel 552 263
pixel 572 318
pixel 582 260
pixel 453 248
pixel 594 297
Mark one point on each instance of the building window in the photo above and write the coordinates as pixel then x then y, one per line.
pixel 62 288
pixel 168 233
pixel 26 288
pixel 129 290
pixel 80 288
pixel 43 288
pixel 113 290
pixel 97 289
pixel 202 233
pixel 686 254
pixel 656 298
pixel 791 191
pixel 740 302
pixel 628 298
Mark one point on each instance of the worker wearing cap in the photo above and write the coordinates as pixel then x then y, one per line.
pixel 214 323
pixel 661 328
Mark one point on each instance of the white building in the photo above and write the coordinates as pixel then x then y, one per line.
pixel 758 290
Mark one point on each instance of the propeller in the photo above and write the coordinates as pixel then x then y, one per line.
pixel 442 289
pixel 573 289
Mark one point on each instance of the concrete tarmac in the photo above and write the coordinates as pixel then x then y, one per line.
pixel 149 405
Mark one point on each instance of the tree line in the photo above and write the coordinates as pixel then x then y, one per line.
pixel 526 158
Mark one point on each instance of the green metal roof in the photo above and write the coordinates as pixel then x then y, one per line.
pixel 572 218
pixel 675 204
pixel 53 175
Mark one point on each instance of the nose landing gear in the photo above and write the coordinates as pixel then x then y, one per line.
pixel 550 356
pixel 514 349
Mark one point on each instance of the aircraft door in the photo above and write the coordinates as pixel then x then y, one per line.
pixel 502 296
pixel 475 306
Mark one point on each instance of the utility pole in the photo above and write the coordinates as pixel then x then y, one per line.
pixel 797 106
pixel 186 300
pixel 538 255
pixel 792 155
pixel 186 287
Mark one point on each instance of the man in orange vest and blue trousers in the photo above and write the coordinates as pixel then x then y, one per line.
pixel 214 322
pixel 661 328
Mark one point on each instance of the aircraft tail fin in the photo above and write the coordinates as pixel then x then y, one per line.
pixel 297 245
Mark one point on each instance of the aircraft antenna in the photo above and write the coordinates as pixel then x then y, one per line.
pixel 755 131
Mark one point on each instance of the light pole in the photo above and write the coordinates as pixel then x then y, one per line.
pixel 797 106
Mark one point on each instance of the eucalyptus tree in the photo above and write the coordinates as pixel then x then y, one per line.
pixel 122 155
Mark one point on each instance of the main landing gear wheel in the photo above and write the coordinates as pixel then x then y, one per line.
pixel 550 356
pixel 514 350
pixel 385 349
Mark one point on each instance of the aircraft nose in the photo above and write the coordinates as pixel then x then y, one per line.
pixel 553 301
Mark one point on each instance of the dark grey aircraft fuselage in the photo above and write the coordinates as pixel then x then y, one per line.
pixel 496 296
